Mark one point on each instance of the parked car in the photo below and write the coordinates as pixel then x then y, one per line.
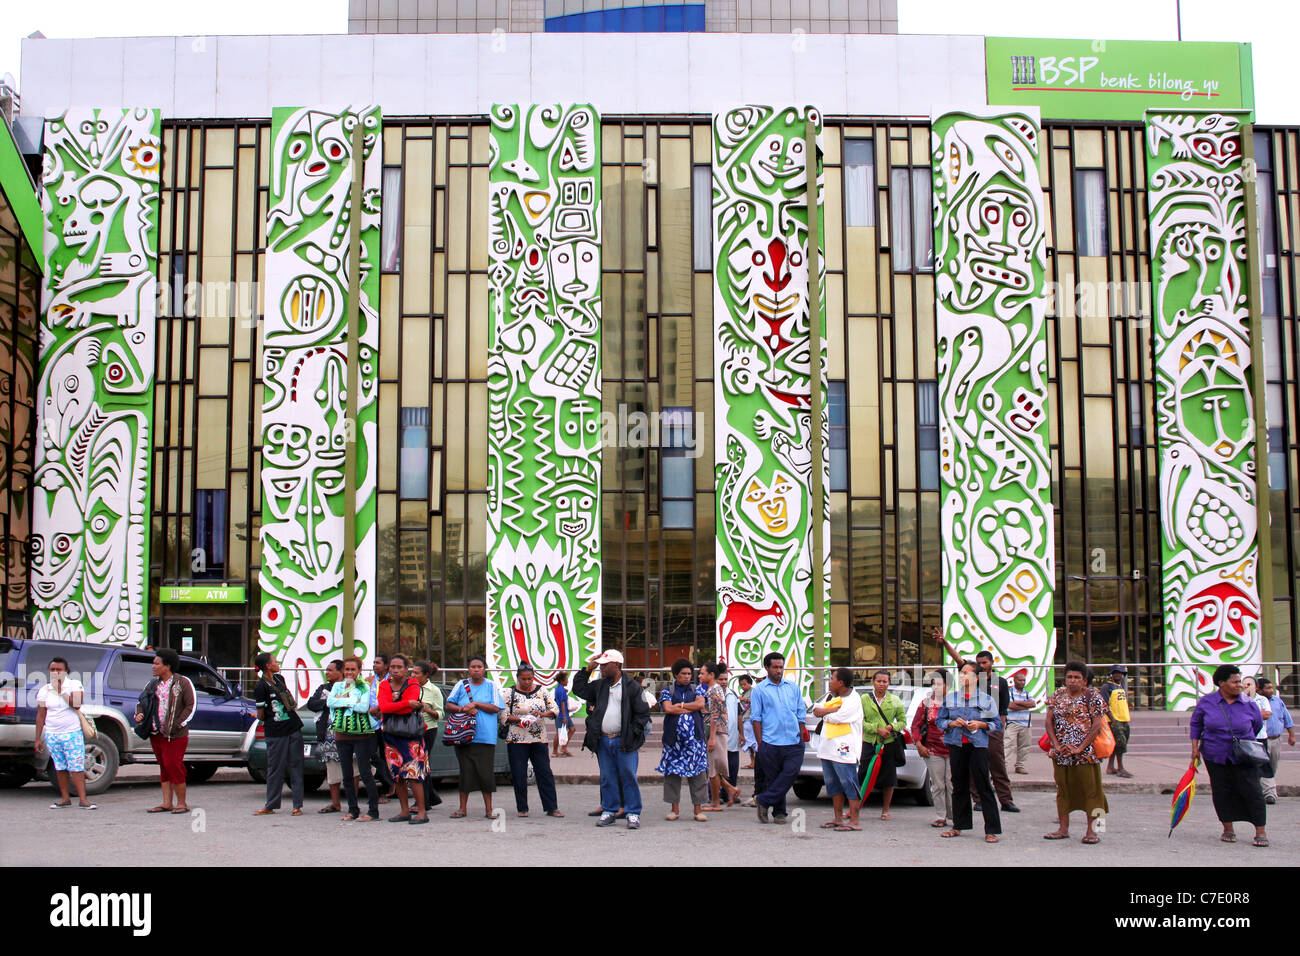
pixel 913 775
pixel 442 760
pixel 113 676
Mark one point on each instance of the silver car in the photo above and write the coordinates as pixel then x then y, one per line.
pixel 913 775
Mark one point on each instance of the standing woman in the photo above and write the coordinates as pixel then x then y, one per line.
pixel 349 707
pixel 527 708
pixel 1218 722
pixel 479 696
pixel 58 730
pixel 399 702
pixel 1074 718
pixel 685 756
pixel 432 705
pixel 169 700
pixel 930 745
pixel 563 720
pixel 747 741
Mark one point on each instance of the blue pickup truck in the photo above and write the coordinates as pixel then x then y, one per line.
pixel 113 676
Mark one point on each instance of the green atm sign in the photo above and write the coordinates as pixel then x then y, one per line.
pixel 220 594
pixel 1116 79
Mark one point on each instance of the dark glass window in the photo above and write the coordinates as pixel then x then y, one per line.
pixel 390 230
pixel 677 442
pixel 910 212
pixel 414 462
pixel 859 182
pixel 927 423
pixel 210 532
pixel 837 413
pixel 1090 212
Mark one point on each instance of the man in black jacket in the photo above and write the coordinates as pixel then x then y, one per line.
pixel 618 721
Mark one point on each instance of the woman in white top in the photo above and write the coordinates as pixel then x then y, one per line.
pixel 839 747
pixel 58 730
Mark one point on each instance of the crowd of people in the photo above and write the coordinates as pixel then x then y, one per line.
pixel 375 734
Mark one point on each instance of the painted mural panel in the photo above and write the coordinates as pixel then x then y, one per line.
pixel 544 402
pixel 90 495
pixel 305 432
pixel 994 460
pixel 762 387
pixel 1204 414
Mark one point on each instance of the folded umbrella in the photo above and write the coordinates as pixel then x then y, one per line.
pixel 1183 793
pixel 869 778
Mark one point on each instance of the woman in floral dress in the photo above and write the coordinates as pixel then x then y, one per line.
pixel 685 752
pixel 1074 718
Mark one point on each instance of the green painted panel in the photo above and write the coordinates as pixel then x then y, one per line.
pixel 305 432
pixel 544 376
pixel 994 463
pixel 91 487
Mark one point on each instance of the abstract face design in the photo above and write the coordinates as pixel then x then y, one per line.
pixel 575 270
pixel 774 508
pixel 56 545
pixel 1223 613
pixel 1214 397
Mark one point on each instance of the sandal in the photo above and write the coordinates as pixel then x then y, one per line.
pixel 87 806
pixel 950 833
pixel 884 814
pixel 330 810
pixel 1056 836
pixel 1229 838
pixel 846 828
pixel 296 812
pixel 1122 773
pixel 671 815
pixel 1259 841
pixel 1090 840
pixel 349 818
pixel 367 818
pixel 939 823
pixel 555 813
pixel 457 815
pixel 400 818
pixel 60 806
pixel 181 810
pixel 261 813
pixel 701 818
pixel 521 813
pixel 990 838
pixel 159 809
pixel 831 824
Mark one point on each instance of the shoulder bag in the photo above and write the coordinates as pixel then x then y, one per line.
pixel 408 726
pixel 893 747
pixel 347 721
pixel 460 727
pixel 148 707
pixel 503 727
pixel 1245 750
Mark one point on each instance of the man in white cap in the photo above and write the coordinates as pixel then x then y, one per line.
pixel 617 724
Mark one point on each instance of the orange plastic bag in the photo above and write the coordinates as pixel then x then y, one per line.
pixel 1103 745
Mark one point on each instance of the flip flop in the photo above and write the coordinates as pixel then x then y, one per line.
pixel 1111 773
pixel 1122 773
pixel 1056 836
pixel 296 812
pixel 457 815
pixel 263 812
pixel 1090 840
pixel 159 809
pixel 939 823
pixel 884 815
pixel 555 813
pixel 990 838
pixel 348 818
pixel 1229 838
pixel 181 810
pixel 329 810
pixel 1259 841
pixel 950 833
pixel 831 824
pixel 416 821
pixel 847 828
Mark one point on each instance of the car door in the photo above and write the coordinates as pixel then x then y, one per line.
pixel 128 675
pixel 220 717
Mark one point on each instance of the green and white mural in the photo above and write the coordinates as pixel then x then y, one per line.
pixel 763 386
pixel 994 460
pixel 544 403
pixel 305 432
pixel 1205 419
pixel 94 400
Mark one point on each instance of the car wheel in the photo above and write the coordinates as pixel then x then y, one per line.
pixel 922 795
pixel 13 779
pixel 200 772
pixel 807 789
pixel 102 761
pixel 258 774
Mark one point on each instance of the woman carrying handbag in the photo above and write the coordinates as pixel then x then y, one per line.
pixel 349 707
pixel 1223 729
pixel 398 696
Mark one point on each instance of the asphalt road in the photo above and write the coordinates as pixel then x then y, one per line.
pixel 224 833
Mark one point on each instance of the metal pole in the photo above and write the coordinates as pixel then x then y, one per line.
pixel 1258 386
pixel 1178 12
pixel 351 435
pixel 815 402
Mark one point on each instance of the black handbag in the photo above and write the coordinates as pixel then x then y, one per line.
pixel 409 726
pixel 1246 750
pixel 893 747
pixel 148 707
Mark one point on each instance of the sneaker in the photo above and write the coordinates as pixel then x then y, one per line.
pixel 1010 808
pixel 780 818
pixel 606 820
pixel 1270 800
pixel 762 814
pixel 634 821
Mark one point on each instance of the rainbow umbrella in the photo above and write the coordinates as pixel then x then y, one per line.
pixel 1183 794
pixel 869 778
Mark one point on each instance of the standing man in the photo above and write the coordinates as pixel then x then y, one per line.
pixel 379 671
pixel 618 721
pixel 1279 719
pixel 883 716
pixel 1017 735
pixel 778 714
pixel 839 748
pixel 431 704
pixel 1115 696
pixel 718 727
pixel 283 728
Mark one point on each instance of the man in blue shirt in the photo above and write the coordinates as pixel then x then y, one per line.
pixel 1279 719
pixel 777 712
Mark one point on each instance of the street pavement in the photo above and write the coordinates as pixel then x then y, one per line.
pixel 223 832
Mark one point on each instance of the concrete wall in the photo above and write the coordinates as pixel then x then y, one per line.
pixel 464 74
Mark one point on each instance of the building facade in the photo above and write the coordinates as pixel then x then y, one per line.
pixel 656 98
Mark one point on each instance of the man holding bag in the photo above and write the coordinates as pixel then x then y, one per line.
pixel 839 746
pixel 883 721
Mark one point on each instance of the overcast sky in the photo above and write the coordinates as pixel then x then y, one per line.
pixel 1272 26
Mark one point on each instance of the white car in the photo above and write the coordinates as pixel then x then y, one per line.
pixel 914 775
